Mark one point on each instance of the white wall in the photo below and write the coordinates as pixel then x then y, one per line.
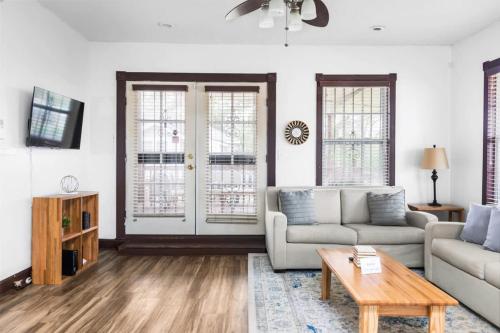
pixel 423 104
pixel 2 142
pixel 467 113
pixel 36 49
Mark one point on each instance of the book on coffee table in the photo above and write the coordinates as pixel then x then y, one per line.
pixel 364 250
pixel 364 254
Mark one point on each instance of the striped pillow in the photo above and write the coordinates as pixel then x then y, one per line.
pixel 298 206
pixel 387 208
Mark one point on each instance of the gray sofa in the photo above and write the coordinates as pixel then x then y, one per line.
pixel 466 271
pixel 343 220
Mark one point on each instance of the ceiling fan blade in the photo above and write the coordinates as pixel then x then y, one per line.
pixel 322 15
pixel 243 9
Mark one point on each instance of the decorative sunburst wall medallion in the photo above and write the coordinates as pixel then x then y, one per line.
pixel 296 132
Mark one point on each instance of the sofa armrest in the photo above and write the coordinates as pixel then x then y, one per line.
pixel 420 219
pixel 450 230
pixel 276 223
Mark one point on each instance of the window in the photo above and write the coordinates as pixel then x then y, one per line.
pixel 159 187
pixel 231 153
pixel 356 126
pixel 491 133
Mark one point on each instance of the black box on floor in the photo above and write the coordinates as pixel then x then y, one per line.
pixel 69 262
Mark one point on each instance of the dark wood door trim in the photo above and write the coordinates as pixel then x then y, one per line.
pixel 121 82
pixel 192 244
pixel 191 77
pixel 121 156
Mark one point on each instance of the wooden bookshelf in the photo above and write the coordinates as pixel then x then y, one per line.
pixel 49 237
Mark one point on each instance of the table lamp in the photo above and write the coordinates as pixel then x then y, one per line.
pixel 434 159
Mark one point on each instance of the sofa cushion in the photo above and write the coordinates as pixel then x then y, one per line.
pixel 470 258
pixel 355 204
pixel 298 206
pixel 387 208
pixel 492 241
pixel 492 273
pixel 320 234
pixel 476 226
pixel 369 234
pixel 327 205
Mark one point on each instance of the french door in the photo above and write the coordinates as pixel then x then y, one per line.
pixel 195 158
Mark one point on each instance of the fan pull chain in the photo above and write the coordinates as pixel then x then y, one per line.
pixel 286 28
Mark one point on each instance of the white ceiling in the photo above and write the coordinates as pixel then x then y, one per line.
pixel 408 22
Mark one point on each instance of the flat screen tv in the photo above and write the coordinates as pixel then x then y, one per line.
pixel 55 121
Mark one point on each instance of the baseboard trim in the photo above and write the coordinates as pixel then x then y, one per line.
pixel 109 243
pixel 8 283
pixel 192 245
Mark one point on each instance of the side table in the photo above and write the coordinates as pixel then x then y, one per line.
pixel 444 208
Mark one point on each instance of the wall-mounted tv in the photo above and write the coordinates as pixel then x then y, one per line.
pixel 55 121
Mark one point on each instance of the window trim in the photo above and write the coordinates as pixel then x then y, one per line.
pixel 122 77
pixel 368 80
pixel 490 68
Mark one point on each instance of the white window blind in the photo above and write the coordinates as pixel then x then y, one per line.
pixel 231 155
pixel 492 144
pixel 356 136
pixel 159 147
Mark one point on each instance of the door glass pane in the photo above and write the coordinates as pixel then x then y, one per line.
pixel 231 175
pixel 159 188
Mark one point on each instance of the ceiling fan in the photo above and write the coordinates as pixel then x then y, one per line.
pixel 312 12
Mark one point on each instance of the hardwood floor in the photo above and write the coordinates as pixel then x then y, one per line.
pixel 137 294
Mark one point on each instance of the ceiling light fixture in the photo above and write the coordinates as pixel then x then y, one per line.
pixel 308 10
pixel 378 28
pixel 277 7
pixel 165 25
pixel 294 20
pixel 295 12
pixel 266 20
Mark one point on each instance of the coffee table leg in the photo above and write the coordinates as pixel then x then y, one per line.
pixel 368 319
pixel 326 281
pixel 436 318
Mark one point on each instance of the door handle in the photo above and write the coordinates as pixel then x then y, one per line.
pixel 190 167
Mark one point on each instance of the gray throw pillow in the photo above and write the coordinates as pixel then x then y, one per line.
pixel 493 235
pixel 298 206
pixel 387 208
pixel 476 226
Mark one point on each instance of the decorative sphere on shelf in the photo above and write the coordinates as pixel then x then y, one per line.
pixel 69 184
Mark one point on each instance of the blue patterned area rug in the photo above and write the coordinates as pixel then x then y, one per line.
pixel 290 302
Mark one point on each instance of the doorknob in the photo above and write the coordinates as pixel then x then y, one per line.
pixel 190 156
pixel 190 167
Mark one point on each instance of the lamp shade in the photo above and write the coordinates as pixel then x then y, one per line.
pixel 434 158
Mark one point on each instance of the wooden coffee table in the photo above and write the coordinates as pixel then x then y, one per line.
pixel 396 292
